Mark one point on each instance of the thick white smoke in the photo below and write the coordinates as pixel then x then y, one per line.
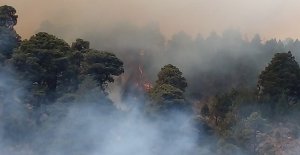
pixel 91 128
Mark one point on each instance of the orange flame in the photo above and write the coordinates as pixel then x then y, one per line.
pixel 144 83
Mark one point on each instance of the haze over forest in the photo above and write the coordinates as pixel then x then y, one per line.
pixel 269 18
pixel 194 77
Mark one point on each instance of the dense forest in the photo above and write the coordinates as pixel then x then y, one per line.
pixel 131 91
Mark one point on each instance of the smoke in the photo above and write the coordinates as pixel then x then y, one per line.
pixel 216 63
pixel 153 34
pixel 93 133
pixel 91 125
pixel 12 112
pixel 270 18
pixel 212 63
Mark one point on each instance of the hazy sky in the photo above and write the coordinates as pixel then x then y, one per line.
pixel 270 18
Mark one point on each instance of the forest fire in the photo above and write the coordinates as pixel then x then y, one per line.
pixel 132 88
pixel 144 83
pixel 135 80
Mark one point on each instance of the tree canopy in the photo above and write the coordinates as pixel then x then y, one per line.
pixel 168 92
pixel 80 45
pixel 9 39
pixel 102 66
pixel 8 17
pixel 43 61
pixel 49 62
pixel 280 77
pixel 171 75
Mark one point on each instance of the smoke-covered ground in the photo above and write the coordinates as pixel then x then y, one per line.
pixel 92 127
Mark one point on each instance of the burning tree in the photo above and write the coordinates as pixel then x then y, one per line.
pixel 135 81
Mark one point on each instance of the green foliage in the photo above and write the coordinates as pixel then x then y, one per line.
pixel 166 92
pixel 73 75
pixel 279 84
pixel 8 17
pixel 169 89
pixel 166 97
pixel 222 105
pixel 9 39
pixel 45 41
pixel 53 68
pixel 223 111
pixel 281 76
pixel 171 75
pixel 43 61
pixel 102 66
pixel 80 45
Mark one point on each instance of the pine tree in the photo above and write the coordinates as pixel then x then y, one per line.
pixel 281 76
